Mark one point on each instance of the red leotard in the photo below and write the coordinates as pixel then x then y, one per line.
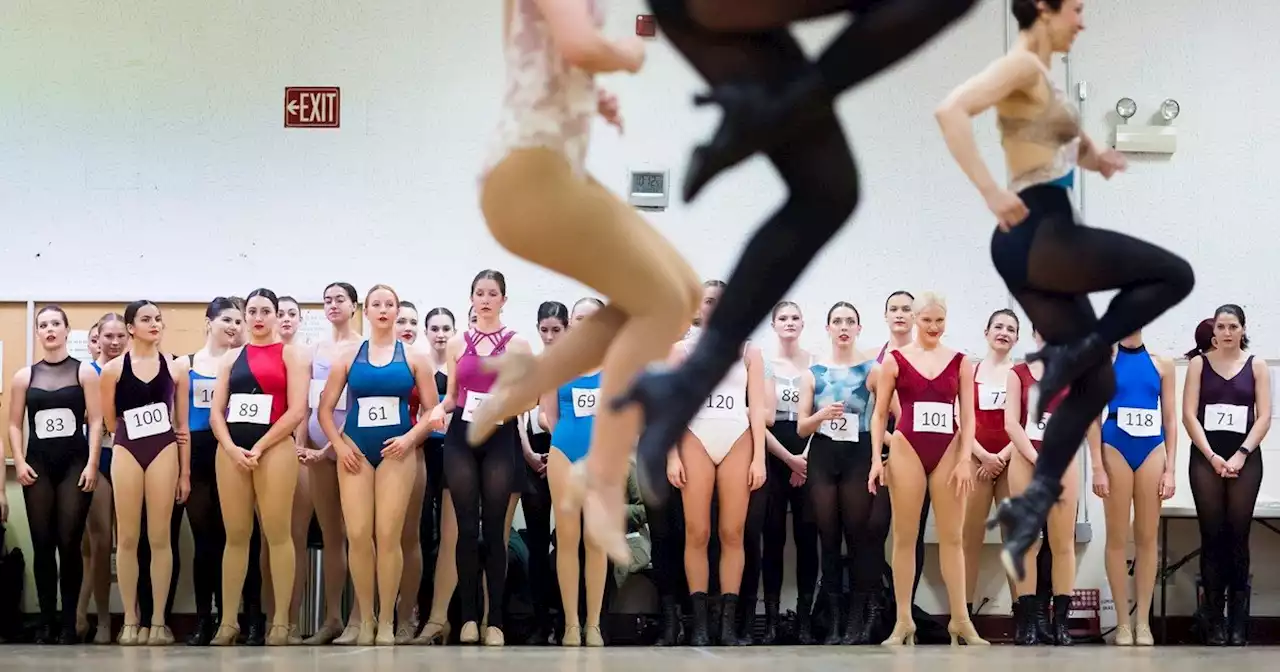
pixel 1028 381
pixel 988 425
pixel 912 387
pixel 260 369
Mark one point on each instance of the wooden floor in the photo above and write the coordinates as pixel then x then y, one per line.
pixel 634 659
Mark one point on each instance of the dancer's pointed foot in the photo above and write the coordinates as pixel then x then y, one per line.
pixel 511 367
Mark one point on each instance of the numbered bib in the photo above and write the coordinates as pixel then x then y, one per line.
pixel 378 411
pixel 585 401
pixel 1035 431
pixel 474 401
pixel 990 397
pixel 149 420
pixel 724 402
pixel 1226 418
pixel 202 393
pixel 788 398
pixel 313 396
pixel 535 426
pixel 253 409
pixel 1138 422
pixel 55 423
pixel 933 417
pixel 843 428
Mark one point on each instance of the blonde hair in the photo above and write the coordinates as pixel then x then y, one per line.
pixel 927 299
pixel 378 286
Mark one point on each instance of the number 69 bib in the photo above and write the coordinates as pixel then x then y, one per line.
pixel 933 417
pixel 585 401
pixel 378 411
pixel 144 421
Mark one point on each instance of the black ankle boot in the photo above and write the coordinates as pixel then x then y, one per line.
pixel 47 633
pixel 855 619
pixel 1021 519
pixel 746 621
pixel 873 620
pixel 1061 620
pixel 1238 617
pixel 257 634
pixel 670 635
pixel 203 632
pixel 770 622
pixel 1215 626
pixel 833 619
pixel 804 619
pixel 669 399
pixel 699 637
pixel 1041 626
pixel 729 620
pixel 1063 364
pixel 1024 611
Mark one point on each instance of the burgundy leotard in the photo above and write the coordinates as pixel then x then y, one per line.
pixel 913 388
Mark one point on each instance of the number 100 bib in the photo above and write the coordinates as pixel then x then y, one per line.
pixel 144 421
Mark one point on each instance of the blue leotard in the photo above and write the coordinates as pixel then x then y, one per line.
pixel 104 458
pixel 577 401
pixel 1135 408
pixel 374 393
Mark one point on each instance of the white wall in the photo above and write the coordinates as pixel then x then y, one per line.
pixel 142 154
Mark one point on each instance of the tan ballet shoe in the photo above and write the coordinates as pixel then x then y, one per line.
pixel 963 631
pixel 572 636
pixel 144 635
pixel 433 634
pixel 368 635
pixel 386 635
pixel 1143 636
pixel 593 636
pixel 103 635
pixel 1123 636
pixel 295 637
pixel 404 634
pixel 349 635
pixel 904 634
pixel 278 635
pixel 160 636
pixel 493 637
pixel 327 633
pixel 226 636
pixel 128 635
pixel 470 633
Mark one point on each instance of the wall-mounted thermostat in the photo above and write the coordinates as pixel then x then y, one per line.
pixel 649 189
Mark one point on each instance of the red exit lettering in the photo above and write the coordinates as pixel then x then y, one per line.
pixel 312 107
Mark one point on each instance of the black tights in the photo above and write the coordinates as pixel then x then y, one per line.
pixel 429 531
pixel 781 496
pixel 666 533
pixel 752 535
pixel 843 510
pixel 481 482
pixel 204 513
pixel 1224 508
pixel 1051 263
pixel 56 511
pixel 815 162
pixel 535 502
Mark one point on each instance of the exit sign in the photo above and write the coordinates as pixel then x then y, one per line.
pixel 312 107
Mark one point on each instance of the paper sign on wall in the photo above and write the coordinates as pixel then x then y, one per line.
pixel 78 344
pixel 312 327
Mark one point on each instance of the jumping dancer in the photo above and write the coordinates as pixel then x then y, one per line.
pixel 775 101
pixel 537 196
pixel 1049 260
